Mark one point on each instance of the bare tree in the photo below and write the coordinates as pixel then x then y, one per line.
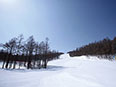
pixel 10 48
pixel 29 53
pixel 18 49
pixel 30 47
pixel 46 53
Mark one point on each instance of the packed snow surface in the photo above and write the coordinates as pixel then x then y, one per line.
pixel 65 72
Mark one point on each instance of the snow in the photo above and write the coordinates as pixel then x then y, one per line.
pixel 65 72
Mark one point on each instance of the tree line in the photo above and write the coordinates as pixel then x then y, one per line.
pixel 29 53
pixel 103 49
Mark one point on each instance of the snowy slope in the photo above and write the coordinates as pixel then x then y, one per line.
pixel 65 72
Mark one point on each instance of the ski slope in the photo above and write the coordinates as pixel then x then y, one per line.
pixel 65 72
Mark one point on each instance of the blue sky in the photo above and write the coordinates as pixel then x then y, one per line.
pixel 67 23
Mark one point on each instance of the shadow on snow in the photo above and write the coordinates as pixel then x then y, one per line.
pixel 49 68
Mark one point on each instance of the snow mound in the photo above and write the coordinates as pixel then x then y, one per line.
pixel 65 56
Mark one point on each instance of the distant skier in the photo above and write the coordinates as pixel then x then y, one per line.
pixel 114 57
